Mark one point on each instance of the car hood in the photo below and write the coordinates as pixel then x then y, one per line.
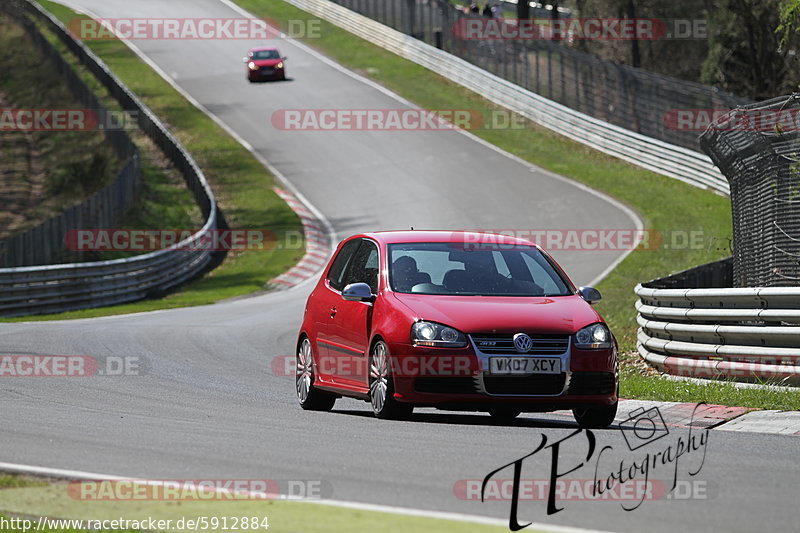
pixel 498 314
pixel 266 62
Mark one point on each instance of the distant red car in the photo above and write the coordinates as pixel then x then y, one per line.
pixel 265 63
pixel 457 321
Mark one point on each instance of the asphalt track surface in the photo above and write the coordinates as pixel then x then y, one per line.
pixel 208 404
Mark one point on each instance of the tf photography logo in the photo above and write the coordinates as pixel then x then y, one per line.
pixel 628 477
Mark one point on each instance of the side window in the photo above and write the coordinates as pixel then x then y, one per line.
pixel 364 266
pixel 339 267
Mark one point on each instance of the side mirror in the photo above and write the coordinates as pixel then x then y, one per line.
pixel 358 292
pixel 285 58
pixel 590 294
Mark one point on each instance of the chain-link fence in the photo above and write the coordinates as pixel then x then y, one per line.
pixel 628 97
pixel 757 147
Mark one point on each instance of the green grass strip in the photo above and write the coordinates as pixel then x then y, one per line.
pixel 55 501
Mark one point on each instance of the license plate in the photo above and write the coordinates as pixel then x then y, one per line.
pixel 266 70
pixel 524 365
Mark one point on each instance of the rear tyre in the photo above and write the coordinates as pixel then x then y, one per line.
pixel 502 414
pixel 381 386
pixel 596 417
pixel 310 397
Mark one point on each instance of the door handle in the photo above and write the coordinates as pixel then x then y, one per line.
pixel 333 311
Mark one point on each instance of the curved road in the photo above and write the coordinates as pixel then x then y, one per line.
pixel 209 405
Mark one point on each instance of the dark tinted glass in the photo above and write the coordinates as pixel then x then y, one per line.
pixel 455 268
pixel 339 267
pixel 266 54
pixel 364 266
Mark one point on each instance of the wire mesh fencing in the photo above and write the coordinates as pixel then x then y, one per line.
pixel 658 106
pixel 757 148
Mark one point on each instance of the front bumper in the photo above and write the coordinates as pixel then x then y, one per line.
pixel 459 379
pixel 258 75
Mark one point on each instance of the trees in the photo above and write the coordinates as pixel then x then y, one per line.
pixel 790 20
pixel 750 48
pixel 678 58
pixel 745 53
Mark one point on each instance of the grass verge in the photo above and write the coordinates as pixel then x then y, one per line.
pixel 43 173
pixel 244 189
pixel 695 224
pixel 163 201
pixel 54 501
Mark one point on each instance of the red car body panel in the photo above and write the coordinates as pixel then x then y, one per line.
pixel 341 334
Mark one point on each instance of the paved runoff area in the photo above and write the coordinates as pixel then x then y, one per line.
pixel 684 415
pixel 782 422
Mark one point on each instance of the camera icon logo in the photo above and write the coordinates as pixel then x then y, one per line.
pixel 643 427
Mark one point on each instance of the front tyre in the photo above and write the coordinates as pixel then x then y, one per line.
pixel 596 417
pixel 310 397
pixel 381 386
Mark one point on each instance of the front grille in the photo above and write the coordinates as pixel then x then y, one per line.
pixel 586 383
pixel 535 384
pixel 489 343
pixel 445 385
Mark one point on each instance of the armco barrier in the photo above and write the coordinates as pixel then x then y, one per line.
pixel 740 333
pixel 664 158
pixel 54 288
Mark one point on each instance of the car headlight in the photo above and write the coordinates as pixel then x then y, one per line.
pixel 594 337
pixel 252 66
pixel 437 335
pixel 279 66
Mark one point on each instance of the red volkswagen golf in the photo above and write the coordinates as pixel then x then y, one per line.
pixel 457 321
pixel 265 63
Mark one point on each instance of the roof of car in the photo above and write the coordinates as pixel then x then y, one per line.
pixel 394 237
pixel 263 48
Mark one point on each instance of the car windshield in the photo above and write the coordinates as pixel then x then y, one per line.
pixel 463 269
pixel 266 54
